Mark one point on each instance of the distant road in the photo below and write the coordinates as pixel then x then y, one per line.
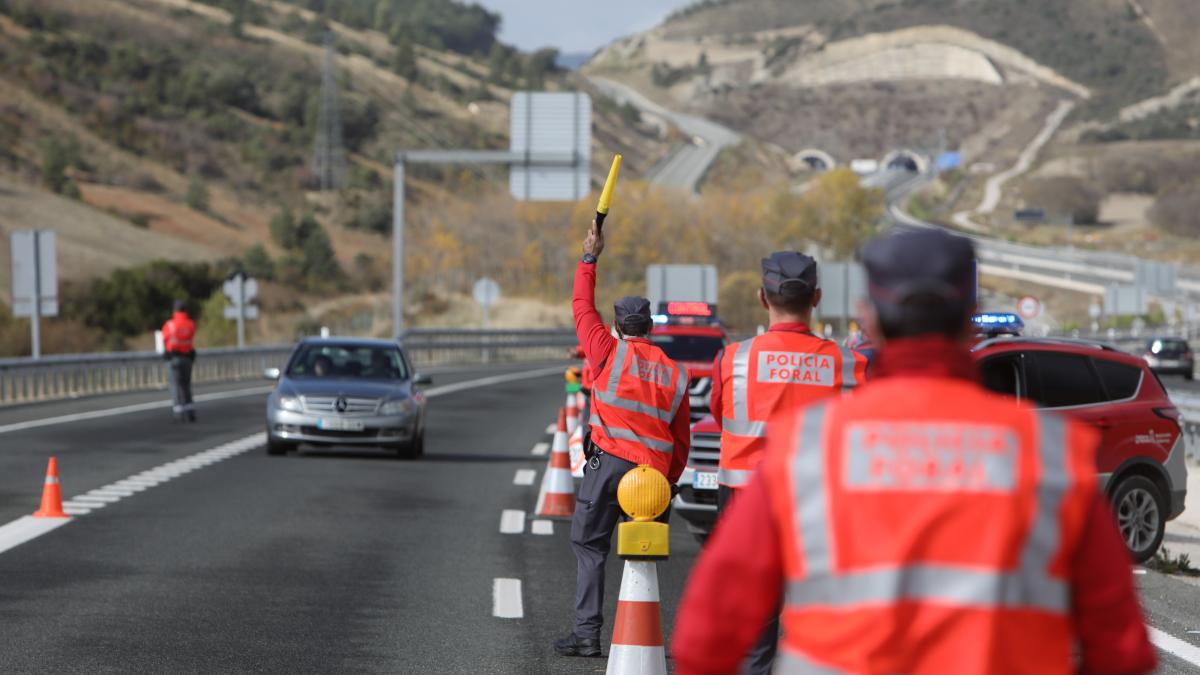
pixel 685 167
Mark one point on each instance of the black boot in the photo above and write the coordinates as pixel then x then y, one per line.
pixel 573 645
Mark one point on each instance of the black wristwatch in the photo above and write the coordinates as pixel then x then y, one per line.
pixel 589 259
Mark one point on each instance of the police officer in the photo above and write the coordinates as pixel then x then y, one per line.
pixel 178 333
pixel 777 372
pixel 639 415
pixel 924 524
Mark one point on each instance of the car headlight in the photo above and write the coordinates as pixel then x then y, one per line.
pixel 398 406
pixel 291 403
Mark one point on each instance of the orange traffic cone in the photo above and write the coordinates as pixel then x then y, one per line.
pixel 637 641
pixel 575 448
pixel 557 496
pixel 51 494
pixel 572 413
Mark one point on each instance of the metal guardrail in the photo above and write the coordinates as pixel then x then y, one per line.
pixel 25 380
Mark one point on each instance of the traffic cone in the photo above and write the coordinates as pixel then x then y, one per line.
pixel 51 494
pixel 637 641
pixel 575 448
pixel 557 496
pixel 572 412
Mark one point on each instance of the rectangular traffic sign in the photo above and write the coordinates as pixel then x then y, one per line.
pixel 34 272
pixel 551 123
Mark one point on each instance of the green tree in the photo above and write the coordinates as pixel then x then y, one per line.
pixel 197 195
pixel 318 259
pixel 839 212
pixel 257 262
pixel 58 155
pixel 283 230
pixel 212 328
pixel 404 61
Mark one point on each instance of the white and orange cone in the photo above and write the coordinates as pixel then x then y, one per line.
pixel 557 496
pixel 572 413
pixel 575 447
pixel 51 494
pixel 637 641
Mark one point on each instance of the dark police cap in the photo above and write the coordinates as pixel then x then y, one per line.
pixel 787 271
pixel 928 262
pixel 632 313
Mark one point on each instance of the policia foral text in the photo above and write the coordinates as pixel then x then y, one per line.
pixel 923 524
pixel 639 415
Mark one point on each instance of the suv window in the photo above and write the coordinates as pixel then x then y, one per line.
pixel 1066 380
pixel 1002 374
pixel 1121 380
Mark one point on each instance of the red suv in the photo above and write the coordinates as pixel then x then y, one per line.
pixel 1141 457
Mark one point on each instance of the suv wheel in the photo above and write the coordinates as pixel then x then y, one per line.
pixel 275 447
pixel 1138 505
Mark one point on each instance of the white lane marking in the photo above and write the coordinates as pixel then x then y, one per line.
pixel 506 599
pixel 1174 646
pixel 552 427
pixel 22 530
pixel 1138 570
pixel 524 477
pixel 542 527
pixel 512 521
pixel 25 528
pixel 125 409
pixel 494 379
pixel 540 449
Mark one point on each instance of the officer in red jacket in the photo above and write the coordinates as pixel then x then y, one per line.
pixel 639 415
pixel 922 525
pixel 179 333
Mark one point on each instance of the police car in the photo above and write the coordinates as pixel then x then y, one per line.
pixel 692 335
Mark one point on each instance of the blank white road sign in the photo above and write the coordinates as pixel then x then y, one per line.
pixel 551 124
pixel 25 245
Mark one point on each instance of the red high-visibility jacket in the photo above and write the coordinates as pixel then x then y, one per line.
pixel 774 373
pixel 178 334
pixel 635 399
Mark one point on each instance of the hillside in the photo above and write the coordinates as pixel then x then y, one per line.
pixel 184 130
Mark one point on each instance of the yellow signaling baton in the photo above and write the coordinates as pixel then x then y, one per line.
pixel 607 193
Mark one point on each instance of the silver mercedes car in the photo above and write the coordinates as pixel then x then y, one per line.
pixel 347 391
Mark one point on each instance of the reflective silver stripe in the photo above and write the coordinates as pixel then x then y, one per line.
pixel 681 387
pixel 733 477
pixel 1030 585
pixel 957 586
pixel 630 435
pixel 788 662
pixel 744 428
pixel 808 477
pixel 849 380
pixel 635 406
pixel 741 381
pixel 616 365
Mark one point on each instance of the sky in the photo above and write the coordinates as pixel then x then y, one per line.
pixel 576 25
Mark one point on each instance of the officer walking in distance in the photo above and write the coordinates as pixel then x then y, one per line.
pixel 639 415
pixel 775 373
pixel 178 333
pixel 924 524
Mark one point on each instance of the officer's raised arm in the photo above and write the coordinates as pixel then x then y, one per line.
pixel 590 328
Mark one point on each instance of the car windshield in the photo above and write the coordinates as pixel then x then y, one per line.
pixel 348 361
pixel 1167 346
pixel 689 347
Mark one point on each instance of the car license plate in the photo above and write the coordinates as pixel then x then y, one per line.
pixel 337 424
pixel 705 480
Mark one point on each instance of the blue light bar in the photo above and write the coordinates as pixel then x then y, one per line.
pixel 659 318
pixel 998 323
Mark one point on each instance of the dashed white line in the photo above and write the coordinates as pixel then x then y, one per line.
pixel 1174 646
pixel 542 527
pixel 540 449
pixel 552 427
pixel 524 477
pixel 512 521
pixel 506 599
pixel 23 529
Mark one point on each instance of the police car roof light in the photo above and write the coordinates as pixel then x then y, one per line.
pixel 679 308
pixel 998 323
pixel 660 318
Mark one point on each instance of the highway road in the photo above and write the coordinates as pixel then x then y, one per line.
pixel 327 561
pixel 686 166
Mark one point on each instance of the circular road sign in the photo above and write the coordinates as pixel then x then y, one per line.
pixel 1029 307
pixel 486 292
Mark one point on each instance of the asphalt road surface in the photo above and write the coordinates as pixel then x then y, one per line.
pixel 328 561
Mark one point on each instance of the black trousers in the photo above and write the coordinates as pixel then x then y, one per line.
pixel 762 656
pixel 180 369
pixel 597 514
